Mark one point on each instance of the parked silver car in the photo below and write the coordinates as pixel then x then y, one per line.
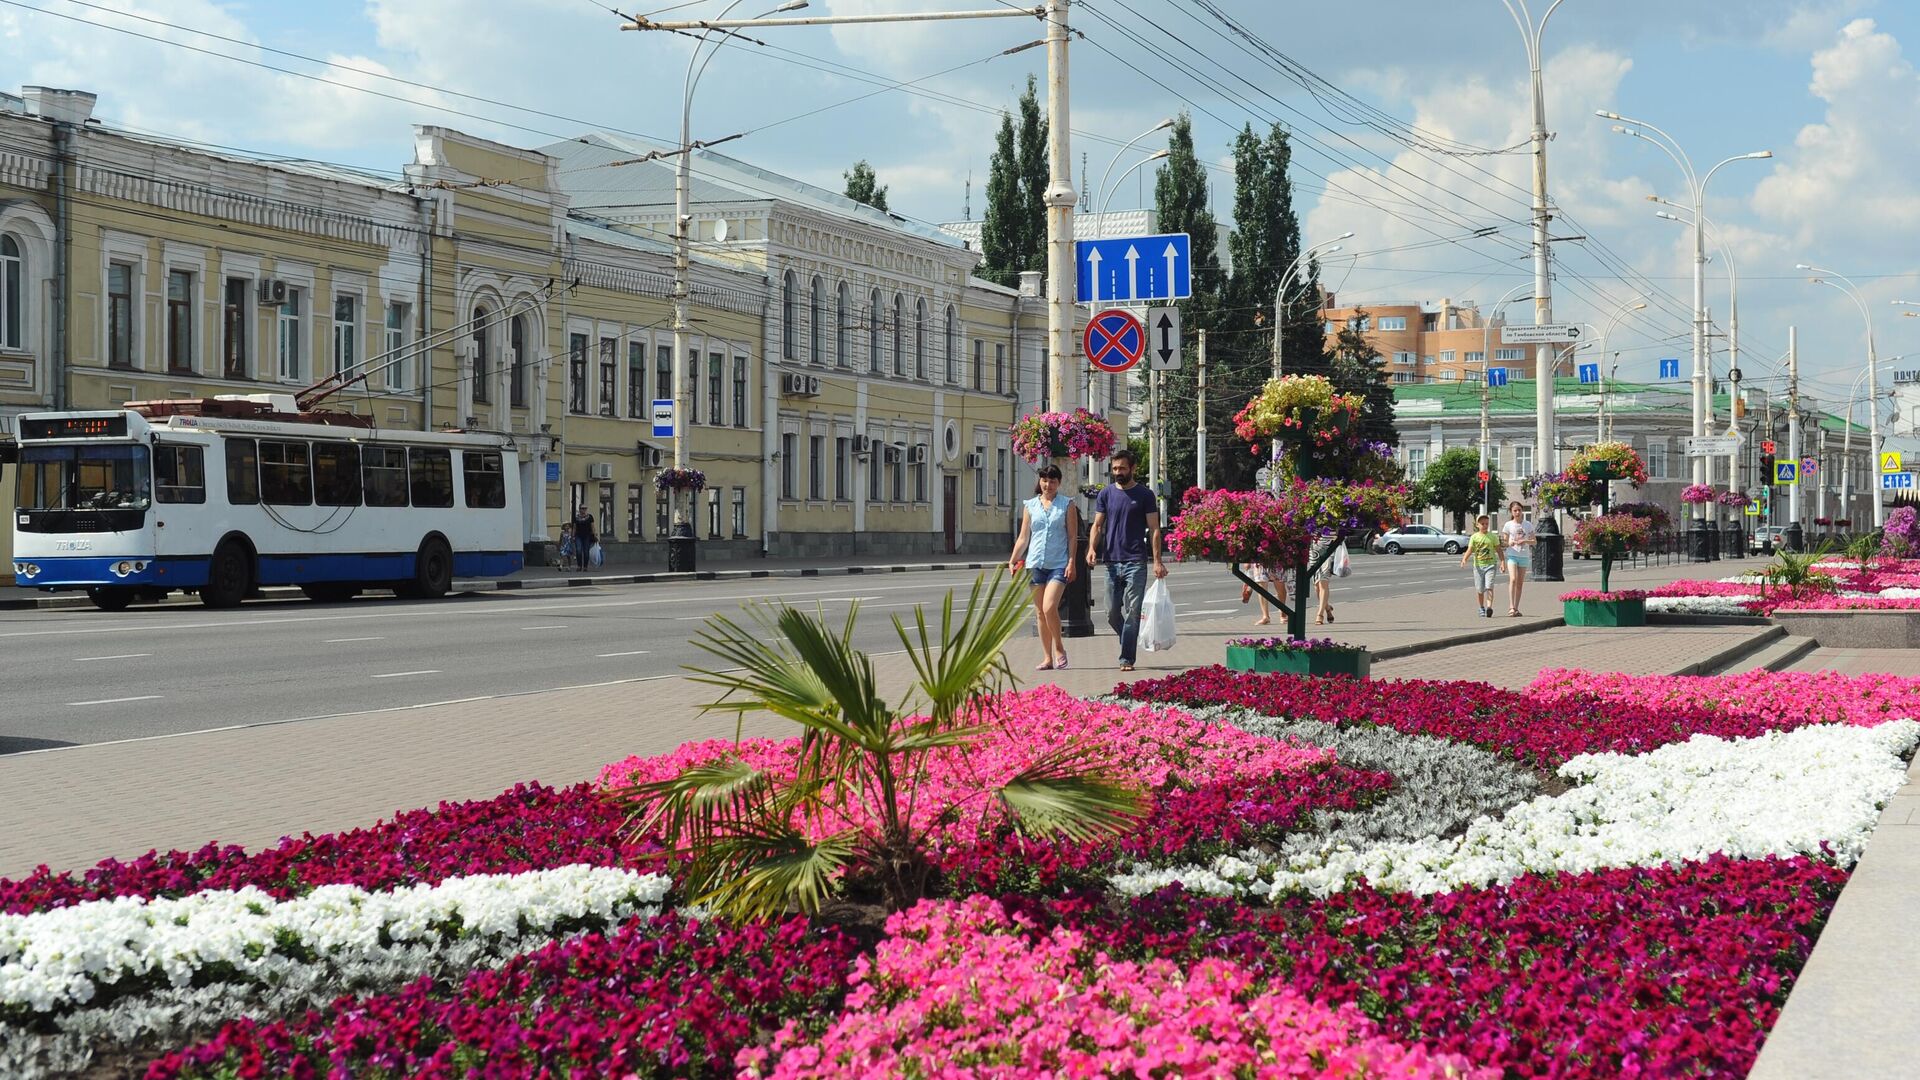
pixel 1419 538
pixel 1757 538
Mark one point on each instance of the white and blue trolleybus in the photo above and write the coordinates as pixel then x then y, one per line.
pixel 223 495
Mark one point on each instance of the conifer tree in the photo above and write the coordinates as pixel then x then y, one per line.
pixel 864 187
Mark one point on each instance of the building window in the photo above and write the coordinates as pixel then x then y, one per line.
pixel 1509 354
pixel 1416 462
pixel 816 323
pixel 1403 358
pixel 1361 323
pixel 899 473
pixel 663 373
pixel 840 328
pixel 950 348
pixel 636 511
pixel 398 317
pixel 874 321
pixel 789 449
pixel 517 362
pixel 1522 461
pixel 716 380
pixel 605 522
pixel 120 315
pixel 899 334
pixel 1391 322
pixel 1401 376
pixel 1446 356
pixel 1000 476
pixel 1476 357
pixel 999 367
pixel 483 362
pixel 346 310
pixel 609 374
pixel 842 468
pixel 740 391
pixel 739 513
pixel 979 364
pixel 817 467
pixel 875 469
pixel 980 476
pixel 233 328
pixel 637 384
pixel 920 339
pixel 12 295
pixel 576 373
pixel 713 513
pixel 789 310
pixel 1656 461
pixel 1425 361
pixel 662 522
pixel 920 475
pixel 289 326
pixel 180 321
pixel 693 385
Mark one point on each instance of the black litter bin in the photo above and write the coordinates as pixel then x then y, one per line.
pixel 1795 538
pixel 680 549
pixel 1699 541
pixel 1548 550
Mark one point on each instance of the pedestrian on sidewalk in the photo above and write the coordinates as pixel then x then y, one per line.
pixel 1126 535
pixel 1049 522
pixel 1323 579
pixel 1483 548
pixel 1516 540
pixel 584 537
pixel 566 546
pixel 1264 575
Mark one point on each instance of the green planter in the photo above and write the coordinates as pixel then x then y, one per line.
pixel 1605 612
pixel 1354 662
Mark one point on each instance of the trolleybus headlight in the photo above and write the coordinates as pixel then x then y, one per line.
pixel 26 569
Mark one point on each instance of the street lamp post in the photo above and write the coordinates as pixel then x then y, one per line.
pixel 1697 192
pixel 1542 255
pixel 1280 325
pixel 1872 377
pixel 1486 391
pixel 1638 303
pixel 1733 331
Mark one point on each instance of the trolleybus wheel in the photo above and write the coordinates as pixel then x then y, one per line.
pixel 228 576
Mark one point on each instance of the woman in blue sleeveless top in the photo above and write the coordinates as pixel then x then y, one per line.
pixel 1048 524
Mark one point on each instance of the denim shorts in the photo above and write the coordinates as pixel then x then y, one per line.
pixel 1041 576
pixel 1483 578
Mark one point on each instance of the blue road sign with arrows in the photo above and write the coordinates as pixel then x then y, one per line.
pixel 1590 373
pixel 1157 267
pixel 1669 367
pixel 1496 376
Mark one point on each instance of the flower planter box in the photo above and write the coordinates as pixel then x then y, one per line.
pixel 1354 662
pixel 1605 612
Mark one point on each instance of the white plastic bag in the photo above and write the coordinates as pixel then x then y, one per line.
pixel 597 556
pixel 1342 565
pixel 1156 617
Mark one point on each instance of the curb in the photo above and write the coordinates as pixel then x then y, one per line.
pixel 1677 618
pixel 1733 654
pixel 483 585
pixel 1394 652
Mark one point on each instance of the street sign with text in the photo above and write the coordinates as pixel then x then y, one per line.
pixel 1545 333
pixel 1163 338
pixel 1712 445
pixel 1157 267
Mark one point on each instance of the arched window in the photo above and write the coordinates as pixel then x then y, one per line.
pixel 840 328
pixel 816 323
pixel 950 347
pixel 517 376
pixel 480 356
pixel 13 272
pixel 920 339
pixel 787 312
pixel 899 334
pixel 875 320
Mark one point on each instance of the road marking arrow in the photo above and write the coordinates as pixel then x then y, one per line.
pixel 1173 255
pixel 1133 272
pixel 1093 271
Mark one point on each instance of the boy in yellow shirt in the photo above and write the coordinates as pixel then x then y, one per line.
pixel 1483 549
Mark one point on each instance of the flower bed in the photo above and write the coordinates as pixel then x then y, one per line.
pixel 1787 698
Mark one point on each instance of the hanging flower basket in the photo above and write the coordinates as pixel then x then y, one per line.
pixel 1735 499
pixel 1610 536
pixel 1609 461
pixel 679 480
pixel 1557 490
pixel 1653 514
pixel 1039 437
pixel 1697 494
pixel 1267 529
pixel 1298 410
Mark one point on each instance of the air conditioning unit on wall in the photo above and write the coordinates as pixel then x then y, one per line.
pixel 917 454
pixel 894 451
pixel 800 385
pixel 976 461
pixel 649 456
pixel 600 470
pixel 272 291
pixel 863 444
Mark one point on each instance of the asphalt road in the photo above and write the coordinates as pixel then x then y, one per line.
pixel 83 676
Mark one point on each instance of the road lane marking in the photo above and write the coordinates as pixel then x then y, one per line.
pixel 342 640
pixel 1209 611
pixel 549 626
pixel 636 652
pixel 403 674
pixel 116 700
pixel 116 656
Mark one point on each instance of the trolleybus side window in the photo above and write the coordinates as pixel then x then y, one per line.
pixel 285 478
pixel 384 471
pixel 179 474
pixel 486 487
pixel 432 472
pixel 243 472
pixel 336 473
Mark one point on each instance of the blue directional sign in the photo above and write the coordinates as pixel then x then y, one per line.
pixel 1896 481
pixel 1669 367
pixel 1786 473
pixel 1590 373
pixel 1496 376
pixel 1155 267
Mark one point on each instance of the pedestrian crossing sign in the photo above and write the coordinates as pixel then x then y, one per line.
pixel 1785 473
pixel 1753 509
pixel 1890 461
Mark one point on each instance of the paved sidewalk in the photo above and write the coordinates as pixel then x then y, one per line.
pixel 251 785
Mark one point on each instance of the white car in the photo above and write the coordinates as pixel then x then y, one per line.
pixel 1419 538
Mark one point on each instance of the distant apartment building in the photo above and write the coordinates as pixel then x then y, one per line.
pixel 1434 341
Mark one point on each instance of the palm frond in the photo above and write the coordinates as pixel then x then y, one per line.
pixel 1063 793
pixel 695 800
pixel 967 660
pixel 763 872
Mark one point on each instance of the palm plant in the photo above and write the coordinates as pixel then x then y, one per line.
pixel 1864 550
pixel 1796 571
pixel 757 842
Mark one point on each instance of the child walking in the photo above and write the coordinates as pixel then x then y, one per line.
pixel 1483 549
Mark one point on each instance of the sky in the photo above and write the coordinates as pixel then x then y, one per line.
pixel 1405 116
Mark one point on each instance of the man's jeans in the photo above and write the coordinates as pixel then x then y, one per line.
pixel 1126 588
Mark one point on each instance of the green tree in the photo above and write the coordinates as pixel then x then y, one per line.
pixel 1356 367
pixel 753 841
pixel 1013 236
pixel 1452 483
pixel 1182 202
pixel 864 187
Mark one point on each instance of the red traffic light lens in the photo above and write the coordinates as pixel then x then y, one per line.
pixel 1766 447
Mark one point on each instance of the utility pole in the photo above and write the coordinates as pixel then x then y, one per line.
pixel 1060 200
pixel 1158 433
pixel 1200 434
pixel 1793 427
pixel 1543 371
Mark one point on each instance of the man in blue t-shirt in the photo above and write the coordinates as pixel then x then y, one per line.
pixel 1127 517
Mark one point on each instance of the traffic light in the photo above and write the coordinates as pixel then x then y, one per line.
pixel 1766 462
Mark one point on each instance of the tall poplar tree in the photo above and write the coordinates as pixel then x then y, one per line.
pixel 1182 201
pixel 864 187
pixel 1013 236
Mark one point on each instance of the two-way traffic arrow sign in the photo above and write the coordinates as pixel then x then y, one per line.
pixel 1163 339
